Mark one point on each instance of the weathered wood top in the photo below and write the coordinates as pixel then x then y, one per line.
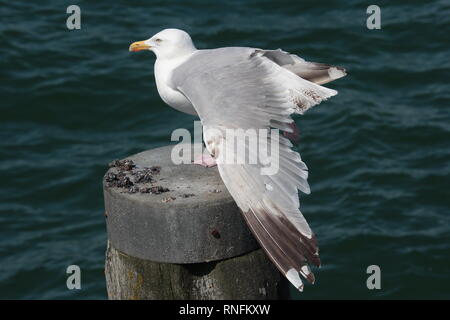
pixel 163 212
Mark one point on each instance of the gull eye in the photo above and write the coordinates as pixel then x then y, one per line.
pixel 158 40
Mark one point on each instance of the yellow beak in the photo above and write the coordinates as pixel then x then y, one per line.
pixel 138 46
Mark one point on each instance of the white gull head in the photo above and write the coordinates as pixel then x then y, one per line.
pixel 172 48
pixel 167 44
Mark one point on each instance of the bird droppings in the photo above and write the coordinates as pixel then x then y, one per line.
pixel 158 190
pixel 119 180
pixel 168 199
pixel 125 174
pixel 187 195
pixel 143 176
pixel 151 190
pixel 133 189
pixel 125 164
pixel 155 169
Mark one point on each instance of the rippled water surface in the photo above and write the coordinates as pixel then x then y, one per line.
pixel 378 153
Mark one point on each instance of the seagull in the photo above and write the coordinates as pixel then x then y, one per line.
pixel 250 88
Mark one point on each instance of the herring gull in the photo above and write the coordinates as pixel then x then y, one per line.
pixel 250 88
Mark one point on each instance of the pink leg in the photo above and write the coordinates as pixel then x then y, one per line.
pixel 293 136
pixel 205 161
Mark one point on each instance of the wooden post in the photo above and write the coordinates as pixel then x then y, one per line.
pixel 174 232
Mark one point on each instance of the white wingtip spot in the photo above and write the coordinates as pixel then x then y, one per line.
pixel 306 270
pixel 269 187
pixel 336 73
pixel 294 278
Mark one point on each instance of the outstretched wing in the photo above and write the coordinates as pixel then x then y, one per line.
pixel 242 88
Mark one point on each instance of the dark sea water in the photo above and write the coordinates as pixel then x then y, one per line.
pixel 378 153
